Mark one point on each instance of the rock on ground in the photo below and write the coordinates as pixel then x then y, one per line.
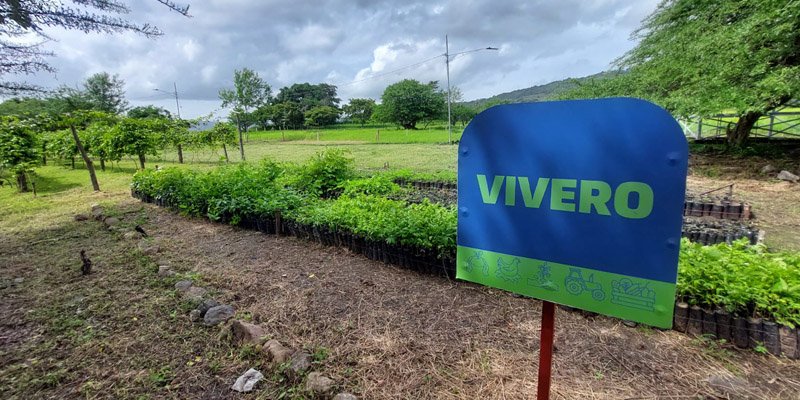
pixel 299 363
pixel 206 305
pixel 183 286
pixel 164 270
pixel 97 212
pixel 318 383
pixel 195 294
pixel 81 217
pixel 247 333
pixel 788 176
pixel 247 381
pixel 130 235
pixel 111 221
pixel 767 169
pixel 217 315
pixel 345 396
pixel 195 316
pixel 277 352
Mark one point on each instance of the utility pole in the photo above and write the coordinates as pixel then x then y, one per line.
pixel 178 109
pixel 449 96
pixel 447 62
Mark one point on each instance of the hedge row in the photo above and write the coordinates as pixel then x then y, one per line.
pixel 743 280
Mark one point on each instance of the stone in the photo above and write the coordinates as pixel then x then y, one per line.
pixel 195 316
pixel 183 286
pixel 277 352
pixel 767 169
pixel 195 294
pixel 147 248
pixel 111 221
pixel 206 305
pixel 130 235
pixel 97 212
pixel 788 176
pixel 731 386
pixel 247 381
pixel 81 217
pixel 318 383
pixel 165 271
pixel 247 333
pixel 345 396
pixel 299 363
pixel 219 314
pixel 19 280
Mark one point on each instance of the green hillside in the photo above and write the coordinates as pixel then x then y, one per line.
pixel 538 93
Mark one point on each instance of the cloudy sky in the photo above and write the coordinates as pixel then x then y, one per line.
pixel 359 45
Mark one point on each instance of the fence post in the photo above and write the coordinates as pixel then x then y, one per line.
pixel 699 128
pixel 771 124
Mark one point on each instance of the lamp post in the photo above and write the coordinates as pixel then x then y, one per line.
pixel 447 56
pixel 178 108
pixel 175 93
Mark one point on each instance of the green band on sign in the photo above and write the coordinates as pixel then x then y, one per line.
pixel 643 300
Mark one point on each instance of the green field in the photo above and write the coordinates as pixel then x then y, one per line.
pixel 435 133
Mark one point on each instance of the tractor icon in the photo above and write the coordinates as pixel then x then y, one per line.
pixel 575 285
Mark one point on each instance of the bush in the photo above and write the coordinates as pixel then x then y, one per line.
pixel 744 280
pixel 325 172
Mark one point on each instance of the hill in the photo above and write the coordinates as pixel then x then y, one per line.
pixel 539 93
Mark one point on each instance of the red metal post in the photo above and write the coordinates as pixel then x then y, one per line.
pixel 546 350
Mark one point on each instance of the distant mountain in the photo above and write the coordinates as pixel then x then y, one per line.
pixel 538 93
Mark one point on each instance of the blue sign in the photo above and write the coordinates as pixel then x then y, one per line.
pixel 575 202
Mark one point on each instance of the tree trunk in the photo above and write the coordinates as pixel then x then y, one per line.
pixel 102 164
pixel 86 159
pixel 180 154
pixel 73 162
pixel 225 150
pixel 44 153
pixel 141 160
pixel 408 125
pixel 22 181
pixel 241 142
pixel 741 131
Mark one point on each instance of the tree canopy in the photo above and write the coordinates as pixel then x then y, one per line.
pixel 359 110
pixel 19 18
pixel 308 96
pixel 105 93
pixel 408 102
pixel 699 58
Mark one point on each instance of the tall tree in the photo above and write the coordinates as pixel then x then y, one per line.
pixel 149 111
pixel 359 110
pixel 249 92
pixel 699 57
pixel 308 96
pixel 106 93
pixel 20 18
pixel 408 102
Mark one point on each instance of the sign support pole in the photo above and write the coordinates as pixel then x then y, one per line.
pixel 546 350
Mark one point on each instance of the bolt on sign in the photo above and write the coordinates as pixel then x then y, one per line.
pixel 575 202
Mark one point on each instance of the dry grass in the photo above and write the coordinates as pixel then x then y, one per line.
pixel 393 333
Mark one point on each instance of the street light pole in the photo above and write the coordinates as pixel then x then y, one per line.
pixel 447 56
pixel 447 62
pixel 178 109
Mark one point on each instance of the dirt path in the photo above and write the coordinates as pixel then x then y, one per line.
pixel 391 333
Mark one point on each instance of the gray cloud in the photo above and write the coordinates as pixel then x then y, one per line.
pixel 341 42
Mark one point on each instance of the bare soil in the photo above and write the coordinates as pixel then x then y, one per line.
pixel 392 333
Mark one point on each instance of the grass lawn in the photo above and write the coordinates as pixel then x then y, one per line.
pixel 369 134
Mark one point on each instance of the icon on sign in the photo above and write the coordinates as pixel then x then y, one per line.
pixel 476 261
pixel 544 279
pixel 626 293
pixel 508 271
pixel 575 285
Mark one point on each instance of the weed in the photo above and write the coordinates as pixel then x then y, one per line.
pixel 162 376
